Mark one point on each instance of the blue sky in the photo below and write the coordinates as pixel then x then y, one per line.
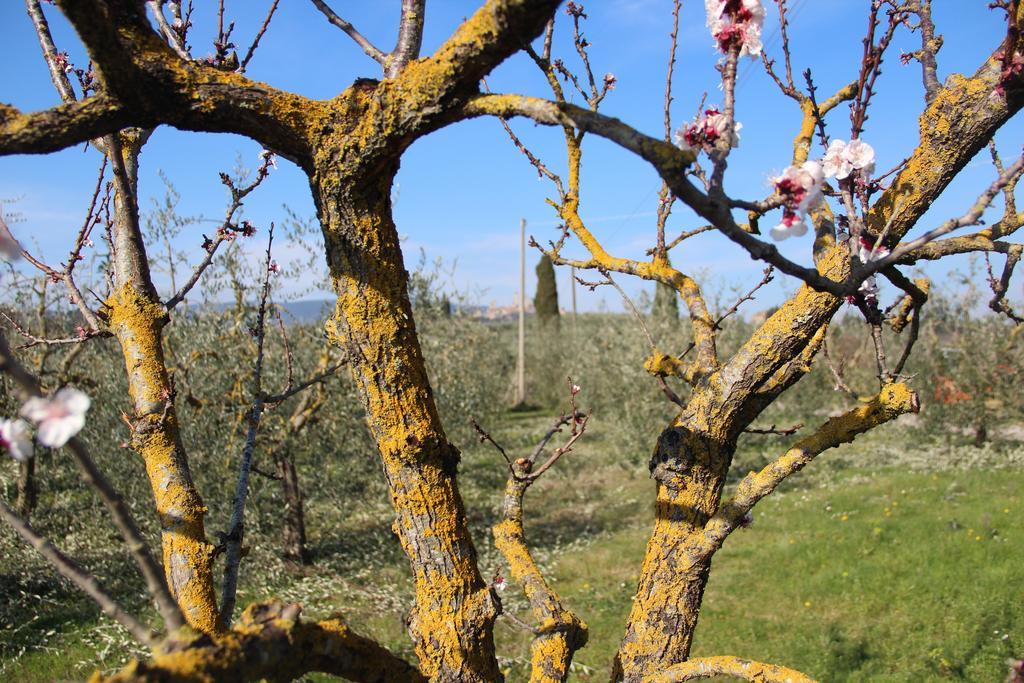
pixel 462 191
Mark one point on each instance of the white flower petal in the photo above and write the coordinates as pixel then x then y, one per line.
pixel 56 432
pixel 860 155
pixel 780 232
pixel 17 438
pixel 835 164
pixel 35 409
pixel 74 401
pixel 58 418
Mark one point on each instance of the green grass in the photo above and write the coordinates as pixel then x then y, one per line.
pixel 877 575
pixel 889 576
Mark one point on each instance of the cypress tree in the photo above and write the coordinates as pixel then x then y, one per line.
pixel 545 301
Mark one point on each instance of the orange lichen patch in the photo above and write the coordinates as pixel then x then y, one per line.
pixel 906 309
pixel 187 556
pixel 663 365
pixel 745 669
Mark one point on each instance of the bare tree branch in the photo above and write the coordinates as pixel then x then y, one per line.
pixel 270 642
pixel 372 51
pixel 734 667
pixel 122 517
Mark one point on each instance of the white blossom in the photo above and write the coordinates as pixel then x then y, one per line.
pixel 16 437
pixel 736 22
pixel 861 156
pixel 868 252
pixel 792 225
pixel 843 158
pixel 800 189
pixel 59 418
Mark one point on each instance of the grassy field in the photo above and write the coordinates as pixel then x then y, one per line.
pixel 853 572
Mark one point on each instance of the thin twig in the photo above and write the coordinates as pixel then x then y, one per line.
pixel 368 47
pixel 259 34
pixel 486 437
pixel 236 530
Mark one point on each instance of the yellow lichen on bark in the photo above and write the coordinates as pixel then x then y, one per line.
pixel 559 632
pixel 187 556
pixel 745 669
pixel 269 643
pixel 451 622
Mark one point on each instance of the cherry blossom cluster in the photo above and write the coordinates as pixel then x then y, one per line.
pixel 800 189
pixel 736 23
pixel 703 132
pixel 57 419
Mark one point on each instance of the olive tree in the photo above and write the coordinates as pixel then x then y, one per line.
pixel 350 146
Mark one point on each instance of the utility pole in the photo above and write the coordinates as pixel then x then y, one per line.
pixel 521 364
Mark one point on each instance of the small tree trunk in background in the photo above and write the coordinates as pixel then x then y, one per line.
pixel 28 492
pixel 545 300
pixel 293 537
pixel 521 349
pixel 980 434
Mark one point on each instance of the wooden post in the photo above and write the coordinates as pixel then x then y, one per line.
pixel 572 284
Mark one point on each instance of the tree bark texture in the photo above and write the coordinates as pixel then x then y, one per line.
pixel 452 621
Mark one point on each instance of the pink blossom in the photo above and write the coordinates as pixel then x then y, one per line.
pixel 274 268
pixel 59 418
pixel 16 438
pixel 736 22
pixel 800 189
pixel 500 584
pixel 843 158
pixel 704 131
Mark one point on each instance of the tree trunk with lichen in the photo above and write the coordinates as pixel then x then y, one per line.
pixel 689 468
pixel 452 621
pixel 136 318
